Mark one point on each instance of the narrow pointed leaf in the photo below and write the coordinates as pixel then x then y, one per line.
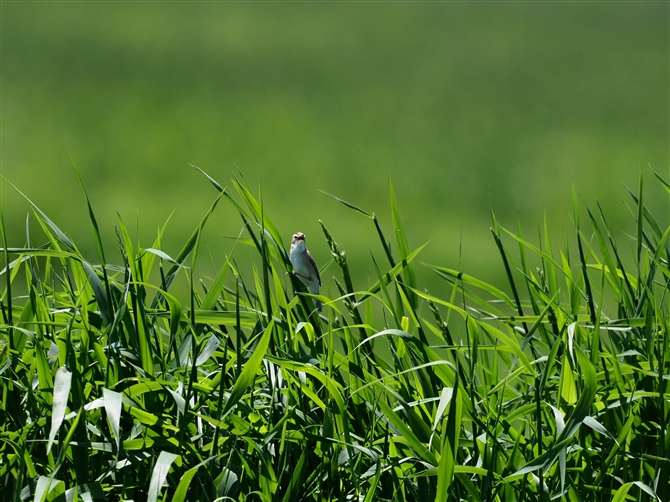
pixel 159 474
pixel 113 404
pixel 62 384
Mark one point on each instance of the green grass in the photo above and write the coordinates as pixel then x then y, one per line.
pixel 551 387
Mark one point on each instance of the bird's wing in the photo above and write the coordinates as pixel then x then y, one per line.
pixel 313 264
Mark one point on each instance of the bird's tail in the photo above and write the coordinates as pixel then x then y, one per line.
pixel 318 304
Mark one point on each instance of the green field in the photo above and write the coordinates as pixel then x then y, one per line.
pixel 467 105
pixel 484 185
pixel 116 388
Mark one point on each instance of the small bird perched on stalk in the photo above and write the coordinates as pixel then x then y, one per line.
pixel 304 266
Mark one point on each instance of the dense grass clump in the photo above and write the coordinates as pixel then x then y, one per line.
pixel 113 388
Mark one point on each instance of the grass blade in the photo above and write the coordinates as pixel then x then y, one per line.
pixel 113 404
pixel 403 247
pixel 159 474
pixel 248 374
pixel 62 384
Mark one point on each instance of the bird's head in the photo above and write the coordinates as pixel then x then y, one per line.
pixel 298 242
pixel 297 237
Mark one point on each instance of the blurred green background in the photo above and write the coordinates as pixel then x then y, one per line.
pixel 466 105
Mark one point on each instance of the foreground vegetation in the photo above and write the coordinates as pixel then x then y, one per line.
pixel 114 388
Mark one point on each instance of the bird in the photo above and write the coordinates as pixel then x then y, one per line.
pixel 304 265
